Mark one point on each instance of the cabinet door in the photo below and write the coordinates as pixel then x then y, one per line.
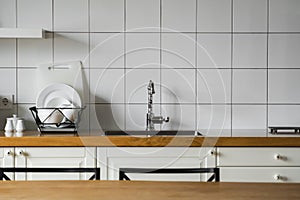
pixel 7 159
pixel 157 158
pixel 260 174
pixel 69 157
pixel 263 156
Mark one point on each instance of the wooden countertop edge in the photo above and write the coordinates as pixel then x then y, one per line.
pixel 156 141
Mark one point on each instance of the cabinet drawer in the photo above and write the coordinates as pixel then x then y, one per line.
pixel 260 174
pixel 258 157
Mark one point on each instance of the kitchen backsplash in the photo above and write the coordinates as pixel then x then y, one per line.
pixel 216 64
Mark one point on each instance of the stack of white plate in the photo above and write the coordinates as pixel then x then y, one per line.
pixel 57 101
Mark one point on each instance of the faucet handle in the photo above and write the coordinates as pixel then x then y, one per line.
pixel 159 119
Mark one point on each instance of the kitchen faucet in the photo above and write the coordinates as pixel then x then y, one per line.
pixel 151 119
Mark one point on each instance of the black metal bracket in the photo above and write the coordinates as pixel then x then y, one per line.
pixel 95 176
pixel 215 171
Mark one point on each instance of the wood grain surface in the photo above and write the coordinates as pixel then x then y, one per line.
pixel 74 190
pixel 33 140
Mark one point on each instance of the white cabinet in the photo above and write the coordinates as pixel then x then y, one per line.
pixel 241 164
pixel 44 157
pixel 7 159
pixel 111 159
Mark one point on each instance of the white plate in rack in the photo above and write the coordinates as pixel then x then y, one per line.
pixel 56 94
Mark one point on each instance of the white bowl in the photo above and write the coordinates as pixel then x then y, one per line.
pixel 69 113
pixel 55 117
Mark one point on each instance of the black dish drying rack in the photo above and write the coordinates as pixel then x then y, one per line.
pixel 65 127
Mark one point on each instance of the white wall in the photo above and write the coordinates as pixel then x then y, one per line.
pixel 234 63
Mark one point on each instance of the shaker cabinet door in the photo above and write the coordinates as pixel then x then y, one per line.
pixel 59 157
pixel 7 160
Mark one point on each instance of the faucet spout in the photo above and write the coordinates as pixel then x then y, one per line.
pixel 151 119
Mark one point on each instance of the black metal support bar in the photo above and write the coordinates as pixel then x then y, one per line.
pixel 95 176
pixel 215 171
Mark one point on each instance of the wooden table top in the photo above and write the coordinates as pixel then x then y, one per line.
pixel 36 190
pixel 31 139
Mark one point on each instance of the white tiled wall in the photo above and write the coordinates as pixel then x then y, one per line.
pixel 224 67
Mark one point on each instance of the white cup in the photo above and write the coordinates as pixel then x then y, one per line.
pixel 20 127
pixel 9 127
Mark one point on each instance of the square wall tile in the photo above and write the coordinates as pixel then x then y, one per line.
pixel 142 50
pixel 106 50
pixel 249 51
pixel 33 52
pixel 137 81
pixel 214 16
pixel 182 117
pixel 214 120
pixel 284 115
pixel 284 15
pixel 8 82
pixel 213 50
pixel 107 117
pixel 7 14
pixel 249 86
pixel 7 53
pixel 178 86
pixel 284 51
pixel 178 15
pixel 71 47
pixel 27 86
pixel 143 15
pixel 71 15
pixel 178 50
pixel 24 112
pixel 106 15
pixel 136 116
pixel 5 114
pixel 107 85
pixel 249 120
pixel 284 86
pixel 214 85
pixel 250 15
pixel 39 17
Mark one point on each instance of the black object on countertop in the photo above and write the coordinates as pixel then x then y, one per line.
pixel 284 130
pixel 67 126
pixel 152 133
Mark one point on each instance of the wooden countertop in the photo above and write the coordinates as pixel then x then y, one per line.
pixel 156 141
pixel 74 190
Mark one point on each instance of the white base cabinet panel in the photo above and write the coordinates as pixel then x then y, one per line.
pixel 262 156
pixel 265 164
pixel 67 157
pixel 7 159
pixel 154 158
pixel 260 174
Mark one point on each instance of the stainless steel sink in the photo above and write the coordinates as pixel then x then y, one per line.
pixel 152 133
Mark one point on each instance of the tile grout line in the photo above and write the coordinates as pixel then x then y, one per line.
pixel 125 64
pixel 160 58
pixel 53 34
pixel 184 32
pixel 89 60
pixel 17 63
pixel 196 68
pixel 267 81
pixel 231 71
